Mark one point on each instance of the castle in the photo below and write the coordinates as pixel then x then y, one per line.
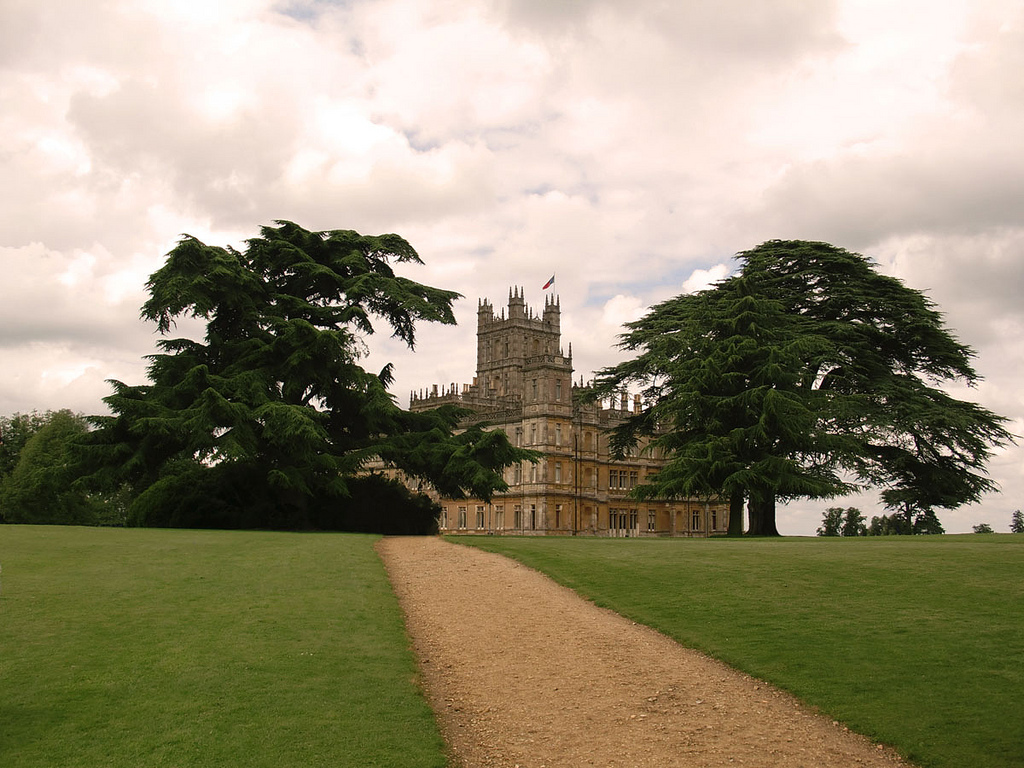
pixel 524 386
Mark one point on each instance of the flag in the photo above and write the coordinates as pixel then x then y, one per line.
pixel 549 283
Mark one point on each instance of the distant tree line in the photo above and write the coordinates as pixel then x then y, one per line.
pixel 850 521
pixel 1016 524
pixel 837 521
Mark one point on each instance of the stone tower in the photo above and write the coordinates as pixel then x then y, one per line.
pixel 520 355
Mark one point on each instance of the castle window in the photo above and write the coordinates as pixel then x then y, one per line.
pixel 517 478
pixel 499 517
pixel 558 471
pixel 652 520
pixel 533 434
pixel 633 478
pixel 533 517
pixel 479 516
pixel 558 389
pixel 558 515
pixel 444 517
pixel 558 434
pixel 695 519
pixel 533 473
pixel 714 519
pixel 462 517
pixel 534 389
pixel 517 513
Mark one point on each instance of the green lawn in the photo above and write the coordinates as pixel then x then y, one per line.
pixel 917 642
pixel 129 647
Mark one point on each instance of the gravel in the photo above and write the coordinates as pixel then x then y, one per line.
pixel 524 673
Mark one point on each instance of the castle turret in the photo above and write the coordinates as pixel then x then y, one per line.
pixel 484 312
pixel 552 313
pixel 516 304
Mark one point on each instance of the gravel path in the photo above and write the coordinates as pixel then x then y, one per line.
pixel 523 672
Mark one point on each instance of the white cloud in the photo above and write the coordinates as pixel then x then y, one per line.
pixel 702 279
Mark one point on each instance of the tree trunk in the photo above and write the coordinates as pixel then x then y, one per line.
pixel 753 518
pixel 736 515
pixel 908 513
pixel 762 516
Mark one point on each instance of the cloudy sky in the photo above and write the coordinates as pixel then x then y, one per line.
pixel 628 147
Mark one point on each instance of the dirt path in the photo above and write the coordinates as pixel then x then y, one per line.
pixel 523 672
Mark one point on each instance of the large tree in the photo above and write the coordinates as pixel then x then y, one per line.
pixel 804 371
pixel 270 421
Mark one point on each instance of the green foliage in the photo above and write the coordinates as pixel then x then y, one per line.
pixel 801 370
pixel 843 522
pixel 854 523
pixel 268 420
pixel 167 648
pixel 41 487
pixel 15 431
pixel 932 634
pixel 925 522
pixel 1017 522
pixel 920 522
pixel 982 528
pixel 831 522
pixel 890 525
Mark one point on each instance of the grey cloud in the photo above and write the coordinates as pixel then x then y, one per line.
pixel 857 200
pixel 722 31
pixel 988 73
pixel 152 132
pixel 976 280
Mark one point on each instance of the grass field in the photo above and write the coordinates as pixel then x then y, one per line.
pixel 127 647
pixel 917 642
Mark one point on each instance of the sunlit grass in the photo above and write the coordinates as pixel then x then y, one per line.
pixel 917 642
pixel 204 648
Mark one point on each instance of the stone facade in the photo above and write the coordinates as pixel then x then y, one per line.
pixel 524 386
